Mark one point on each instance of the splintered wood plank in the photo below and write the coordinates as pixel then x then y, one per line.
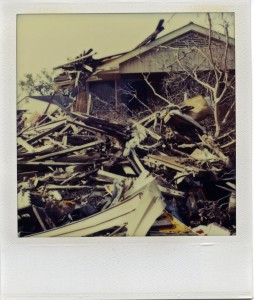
pixel 25 144
pixel 60 145
pixel 171 192
pixel 137 161
pixel 73 187
pixel 110 175
pixel 39 136
pixel 148 131
pixel 174 163
pixel 70 178
pixel 66 151
pixel 82 158
pixel 47 125
pixel 88 128
pixel 24 130
pixel 51 163
pixel 39 150
pixel 148 118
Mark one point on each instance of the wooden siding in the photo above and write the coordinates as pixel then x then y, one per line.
pixel 190 39
pixel 180 32
pixel 163 58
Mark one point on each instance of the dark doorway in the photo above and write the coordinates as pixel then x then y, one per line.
pixel 134 93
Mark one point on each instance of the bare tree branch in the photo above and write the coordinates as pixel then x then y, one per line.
pixel 155 93
pixel 194 75
pixel 227 114
pixel 133 94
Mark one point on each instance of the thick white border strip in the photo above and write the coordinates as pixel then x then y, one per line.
pixel 125 268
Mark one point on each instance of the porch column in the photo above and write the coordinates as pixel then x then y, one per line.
pixel 117 94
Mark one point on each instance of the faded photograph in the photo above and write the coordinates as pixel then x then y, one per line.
pixel 126 125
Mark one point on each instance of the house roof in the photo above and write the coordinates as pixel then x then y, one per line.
pixel 94 69
pixel 114 64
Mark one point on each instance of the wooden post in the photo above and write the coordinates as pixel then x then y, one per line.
pixel 89 103
pixel 81 104
pixel 117 94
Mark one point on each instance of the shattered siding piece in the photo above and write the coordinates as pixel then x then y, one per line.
pixel 137 212
pixel 147 212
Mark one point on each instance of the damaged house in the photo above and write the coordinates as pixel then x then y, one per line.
pixel 136 77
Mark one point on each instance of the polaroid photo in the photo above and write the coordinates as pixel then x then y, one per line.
pixel 131 151
pixel 126 139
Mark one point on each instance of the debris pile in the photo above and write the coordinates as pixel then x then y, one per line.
pixel 79 175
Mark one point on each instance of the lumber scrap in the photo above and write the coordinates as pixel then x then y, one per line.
pixel 175 163
pixel 47 132
pixel 67 151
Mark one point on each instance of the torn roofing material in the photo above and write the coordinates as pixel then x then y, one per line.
pixel 58 99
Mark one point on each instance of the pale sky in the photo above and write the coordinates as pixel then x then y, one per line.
pixel 47 40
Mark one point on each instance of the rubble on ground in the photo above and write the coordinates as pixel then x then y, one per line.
pixel 165 174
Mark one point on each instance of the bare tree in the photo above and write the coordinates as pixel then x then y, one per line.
pixel 195 69
pixel 218 81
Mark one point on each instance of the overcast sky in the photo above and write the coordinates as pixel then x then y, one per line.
pixel 47 40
